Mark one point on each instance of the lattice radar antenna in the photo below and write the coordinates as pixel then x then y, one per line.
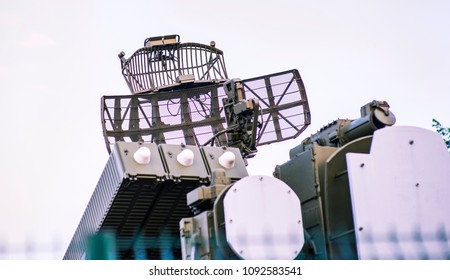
pixel 181 93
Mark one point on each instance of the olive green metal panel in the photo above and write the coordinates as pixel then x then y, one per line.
pixel 124 155
pixel 177 171
pixel 212 155
pixel 197 237
pixel 338 213
pixel 298 173
pixel 224 249
pixel 304 174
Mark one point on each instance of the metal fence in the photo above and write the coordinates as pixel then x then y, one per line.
pixel 31 250
pixel 391 246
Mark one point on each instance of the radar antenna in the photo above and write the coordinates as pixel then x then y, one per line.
pixel 181 93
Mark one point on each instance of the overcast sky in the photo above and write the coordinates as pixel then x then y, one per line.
pixel 58 58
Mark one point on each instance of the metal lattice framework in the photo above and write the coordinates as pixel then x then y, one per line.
pixel 159 67
pixel 194 116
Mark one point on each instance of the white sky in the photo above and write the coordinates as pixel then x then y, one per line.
pixel 59 58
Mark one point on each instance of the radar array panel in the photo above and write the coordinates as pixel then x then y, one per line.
pixel 194 116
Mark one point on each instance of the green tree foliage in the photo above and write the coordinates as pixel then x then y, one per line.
pixel 444 131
